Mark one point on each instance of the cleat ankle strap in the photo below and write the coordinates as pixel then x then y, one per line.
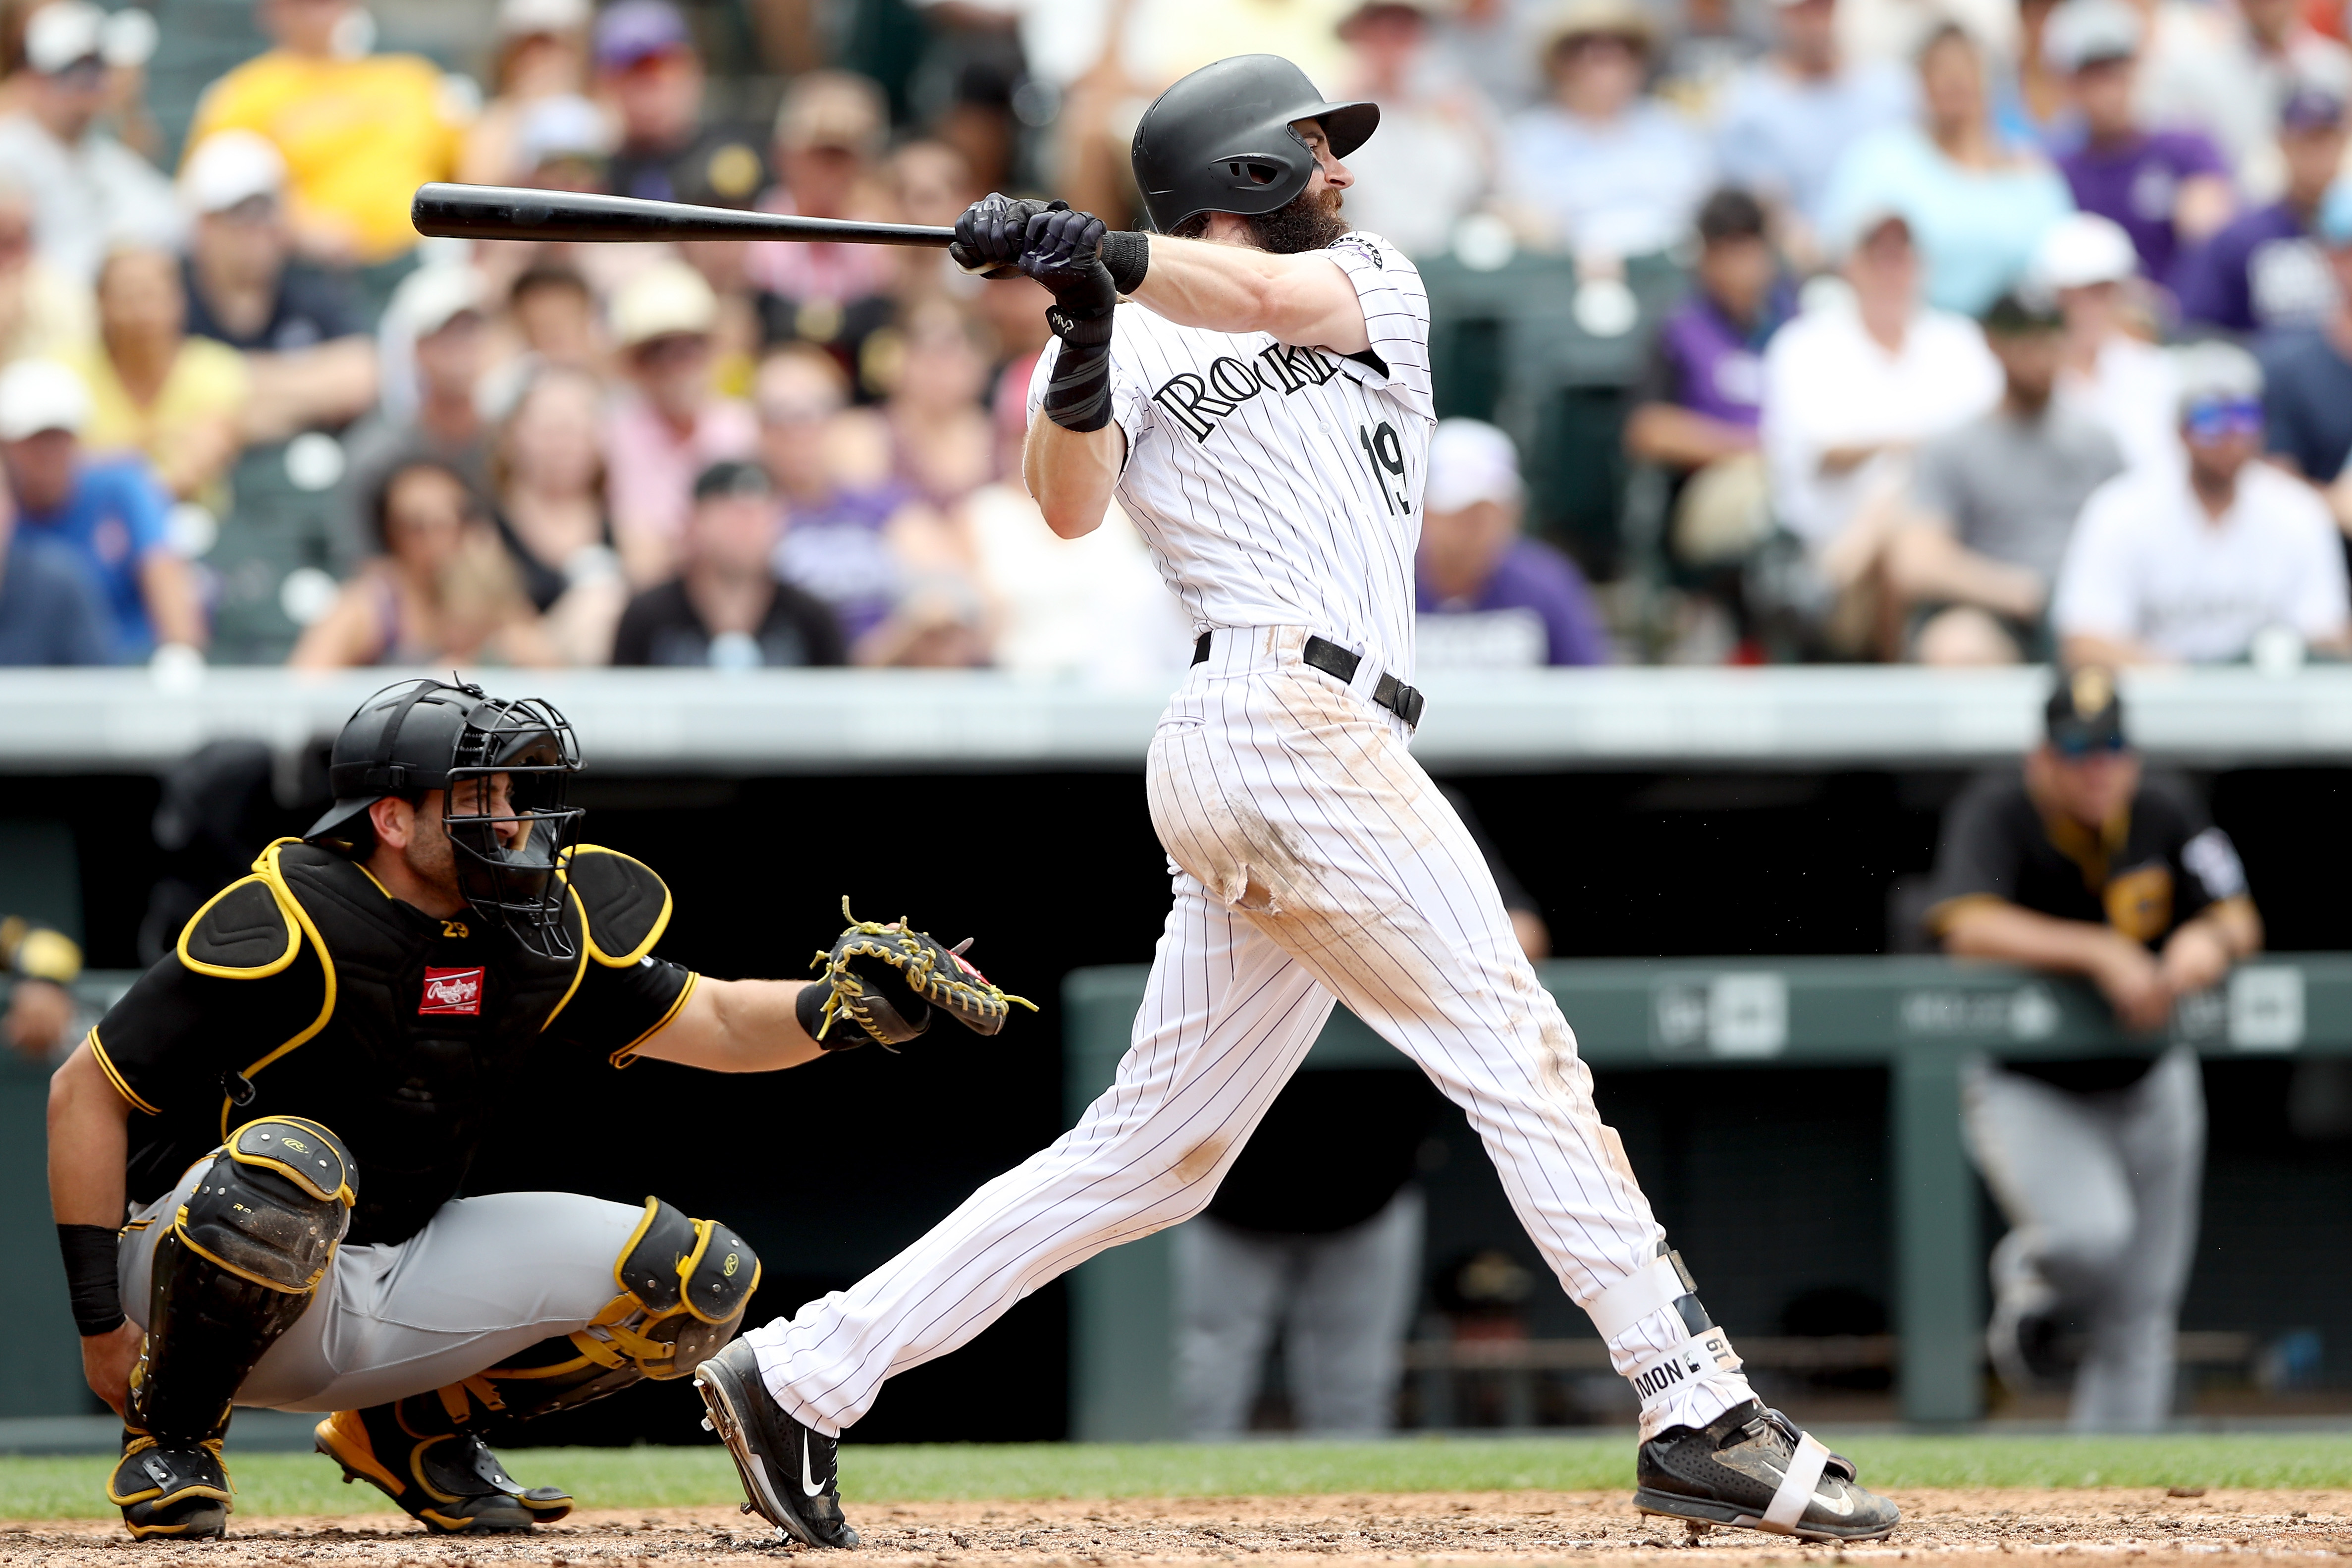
pixel 1796 1484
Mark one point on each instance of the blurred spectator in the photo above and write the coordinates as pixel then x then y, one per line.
pixel 2307 373
pixel 672 425
pixel 2110 372
pixel 541 54
pixel 45 310
pixel 50 608
pixel 1993 502
pixel 173 399
pixel 1492 45
pixel 108 511
pixel 1976 209
pixel 1850 388
pixel 549 487
pixel 1697 407
pixel 1435 161
pixel 436 322
pixel 1785 120
pixel 2263 270
pixel 89 191
pixel 930 183
pixel 2168 188
pixel 830 129
pixel 1604 169
pixel 935 366
pixel 2230 70
pixel 440 590
pixel 41 964
pixel 311 362
pixel 2078 864
pixel 837 534
pixel 1488 596
pixel 554 314
pixel 1091 608
pixel 2193 567
pixel 359 132
pixel 727 609
pixel 647 67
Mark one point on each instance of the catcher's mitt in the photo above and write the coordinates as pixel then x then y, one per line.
pixel 886 979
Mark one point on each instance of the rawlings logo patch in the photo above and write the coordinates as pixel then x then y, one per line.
pixel 452 991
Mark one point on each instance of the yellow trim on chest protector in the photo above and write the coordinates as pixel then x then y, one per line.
pixel 266 867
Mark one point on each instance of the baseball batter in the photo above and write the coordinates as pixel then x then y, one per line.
pixel 1261 407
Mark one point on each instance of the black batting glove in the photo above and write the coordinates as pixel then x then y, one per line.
pixel 992 234
pixel 1065 254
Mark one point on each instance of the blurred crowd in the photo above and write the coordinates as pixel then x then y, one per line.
pixel 1991 330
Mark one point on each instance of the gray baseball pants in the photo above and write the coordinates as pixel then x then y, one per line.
pixel 2101 1192
pixel 1342 1301
pixel 486 1278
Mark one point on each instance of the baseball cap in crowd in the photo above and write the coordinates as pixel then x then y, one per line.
pixel 430 298
pixel 2081 249
pixel 2085 713
pixel 1600 19
pixel 230 168
pixel 2022 311
pixel 63 35
pixel 1470 461
pixel 637 30
pixel 2085 32
pixel 833 109
pixel 38 394
pixel 733 477
pixel 527 18
pixel 666 299
pixel 2313 104
pixel 1848 234
pixel 566 125
pixel 2214 373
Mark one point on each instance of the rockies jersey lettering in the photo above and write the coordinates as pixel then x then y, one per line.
pixel 1279 484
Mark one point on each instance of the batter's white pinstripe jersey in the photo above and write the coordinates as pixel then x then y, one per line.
pixel 1277 485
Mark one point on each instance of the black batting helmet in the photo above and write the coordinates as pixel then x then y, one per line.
pixel 1222 140
pixel 419 736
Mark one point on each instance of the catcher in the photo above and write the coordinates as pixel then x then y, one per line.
pixel 286 1107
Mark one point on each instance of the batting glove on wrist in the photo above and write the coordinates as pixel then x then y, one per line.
pixel 1065 254
pixel 991 235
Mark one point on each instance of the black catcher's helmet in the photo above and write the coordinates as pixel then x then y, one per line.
pixel 419 736
pixel 1220 140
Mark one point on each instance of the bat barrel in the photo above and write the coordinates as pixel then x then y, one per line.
pixel 503 211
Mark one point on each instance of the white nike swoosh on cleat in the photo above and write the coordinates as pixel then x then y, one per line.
pixel 809 1483
pixel 1838 1503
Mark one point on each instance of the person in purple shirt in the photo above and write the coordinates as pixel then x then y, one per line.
pixel 1489 598
pixel 2265 270
pixel 1698 404
pixel 2169 189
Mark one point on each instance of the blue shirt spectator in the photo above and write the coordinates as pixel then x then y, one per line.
pixel 48 610
pixel 1784 121
pixel 1489 598
pixel 2265 270
pixel 2307 371
pixel 1975 209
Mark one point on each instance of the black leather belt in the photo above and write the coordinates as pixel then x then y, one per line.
pixel 1332 659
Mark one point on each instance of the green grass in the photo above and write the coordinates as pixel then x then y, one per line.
pixel 653 1478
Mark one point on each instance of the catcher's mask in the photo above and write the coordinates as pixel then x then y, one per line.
pixel 508 832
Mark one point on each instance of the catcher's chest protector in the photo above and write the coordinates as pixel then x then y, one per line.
pixel 429 1025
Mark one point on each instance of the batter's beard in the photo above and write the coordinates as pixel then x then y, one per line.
pixel 1308 221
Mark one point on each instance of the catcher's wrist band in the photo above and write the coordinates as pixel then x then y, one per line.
pixel 90 1278
pixel 1127 254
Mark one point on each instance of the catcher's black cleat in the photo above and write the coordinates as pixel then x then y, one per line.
pixel 788 1468
pixel 2026 1340
pixel 437 1471
pixel 180 1491
pixel 1751 1467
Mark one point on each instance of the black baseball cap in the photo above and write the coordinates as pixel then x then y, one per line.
pixel 733 477
pixel 2022 311
pixel 2085 713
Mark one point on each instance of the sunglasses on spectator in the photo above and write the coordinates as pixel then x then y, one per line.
pixel 2217 421
pixel 2075 747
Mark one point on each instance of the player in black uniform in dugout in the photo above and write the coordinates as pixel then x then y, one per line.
pixel 286 1107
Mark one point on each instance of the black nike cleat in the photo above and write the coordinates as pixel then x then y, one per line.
pixel 438 1472
pixel 788 1470
pixel 2026 1340
pixel 1734 1470
pixel 182 1491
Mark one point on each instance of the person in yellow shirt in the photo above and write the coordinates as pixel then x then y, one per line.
pixel 156 391
pixel 359 132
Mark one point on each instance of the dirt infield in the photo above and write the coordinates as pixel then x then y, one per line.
pixel 1953 1528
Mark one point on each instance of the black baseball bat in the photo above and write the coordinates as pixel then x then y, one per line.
pixel 505 212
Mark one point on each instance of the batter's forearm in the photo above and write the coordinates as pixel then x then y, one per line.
pixel 1072 474
pixel 736 1025
pixel 1301 298
pixel 90 1144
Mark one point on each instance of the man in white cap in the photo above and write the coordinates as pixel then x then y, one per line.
pixel 1486 595
pixel 674 425
pixel 436 346
pixel 312 363
pixel 2193 564
pixel 108 512
pixel 2111 374
pixel 89 190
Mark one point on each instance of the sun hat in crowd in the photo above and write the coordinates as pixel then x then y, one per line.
pixel 38 394
pixel 666 299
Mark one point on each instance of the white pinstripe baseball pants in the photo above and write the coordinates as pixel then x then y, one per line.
pixel 1316 860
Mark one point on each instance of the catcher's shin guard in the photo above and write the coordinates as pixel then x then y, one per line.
pixel 419 1453
pixel 241 1262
